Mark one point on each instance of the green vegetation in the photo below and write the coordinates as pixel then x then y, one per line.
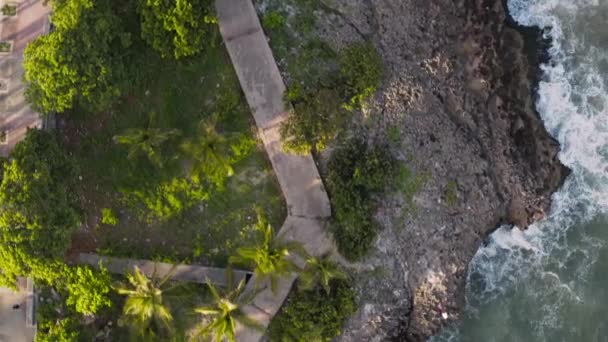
pixel 323 107
pixel 108 217
pixel 274 20
pixel 176 28
pixel 394 135
pixel 316 120
pixel 358 172
pixel 38 214
pixel 57 329
pixel 320 272
pixel 361 72
pixel 88 289
pixel 144 310
pixel 325 87
pixel 154 128
pixel 59 322
pixel 313 315
pixel 174 153
pixel 220 317
pixel 9 10
pixel 5 46
pixel 451 193
pixel 81 61
pixel 146 142
pixel 270 257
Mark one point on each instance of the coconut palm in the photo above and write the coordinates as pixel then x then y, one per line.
pixel 220 316
pixel 209 153
pixel 320 271
pixel 146 141
pixel 144 308
pixel 271 258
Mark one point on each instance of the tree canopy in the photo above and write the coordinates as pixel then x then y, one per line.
pixel 37 216
pixel 175 27
pixel 79 61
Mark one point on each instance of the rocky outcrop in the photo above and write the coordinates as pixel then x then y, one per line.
pixel 458 86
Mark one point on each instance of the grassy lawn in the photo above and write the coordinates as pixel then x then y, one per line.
pixel 199 223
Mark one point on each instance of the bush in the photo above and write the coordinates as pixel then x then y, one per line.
pixel 361 71
pixel 88 289
pixel 176 28
pixel 56 322
pixel 273 20
pixel 60 330
pixel 357 173
pixel 9 10
pixel 38 214
pixel 108 217
pixel 315 121
pixel 315 315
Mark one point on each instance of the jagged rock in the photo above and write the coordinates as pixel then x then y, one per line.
pixel 459 86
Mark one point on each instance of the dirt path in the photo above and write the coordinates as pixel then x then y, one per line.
pixel 307 201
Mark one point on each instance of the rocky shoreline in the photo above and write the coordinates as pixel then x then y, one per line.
pixel 459 87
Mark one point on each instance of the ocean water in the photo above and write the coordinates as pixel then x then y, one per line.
pixel 550 283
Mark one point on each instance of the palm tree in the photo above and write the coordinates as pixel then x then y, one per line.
pixel 144 307
pixel 271 258
pixel 223 313
pixel 209 154
pixel 320 271
pixel 146 141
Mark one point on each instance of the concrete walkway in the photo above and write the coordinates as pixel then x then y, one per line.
pixel 307 201
pixel 185 273
pixel 17 325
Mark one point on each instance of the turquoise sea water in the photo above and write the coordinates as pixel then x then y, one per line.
pixel 550 283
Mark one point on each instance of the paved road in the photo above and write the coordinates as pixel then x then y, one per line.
pixel 307 201
pixel 15 114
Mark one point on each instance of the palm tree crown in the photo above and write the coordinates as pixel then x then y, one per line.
pixel 320 271
pixel 209 153
pixel 146 141
pixel 223 313
pixel 144 307
pixel 271 258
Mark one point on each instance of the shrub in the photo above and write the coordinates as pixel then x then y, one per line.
pixel 59 330
pixel 56 322
pixel 38 215
pixel 273 20
pixel 176 28
pixel 315 315
pixel 451 193
pixel 357 173
pixel 88 289
pixel 315 121
pixel 9 10
pixel 361 72
pixel 242 147
pixel 108 217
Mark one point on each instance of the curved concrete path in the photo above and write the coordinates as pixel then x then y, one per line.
pixel 307 202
